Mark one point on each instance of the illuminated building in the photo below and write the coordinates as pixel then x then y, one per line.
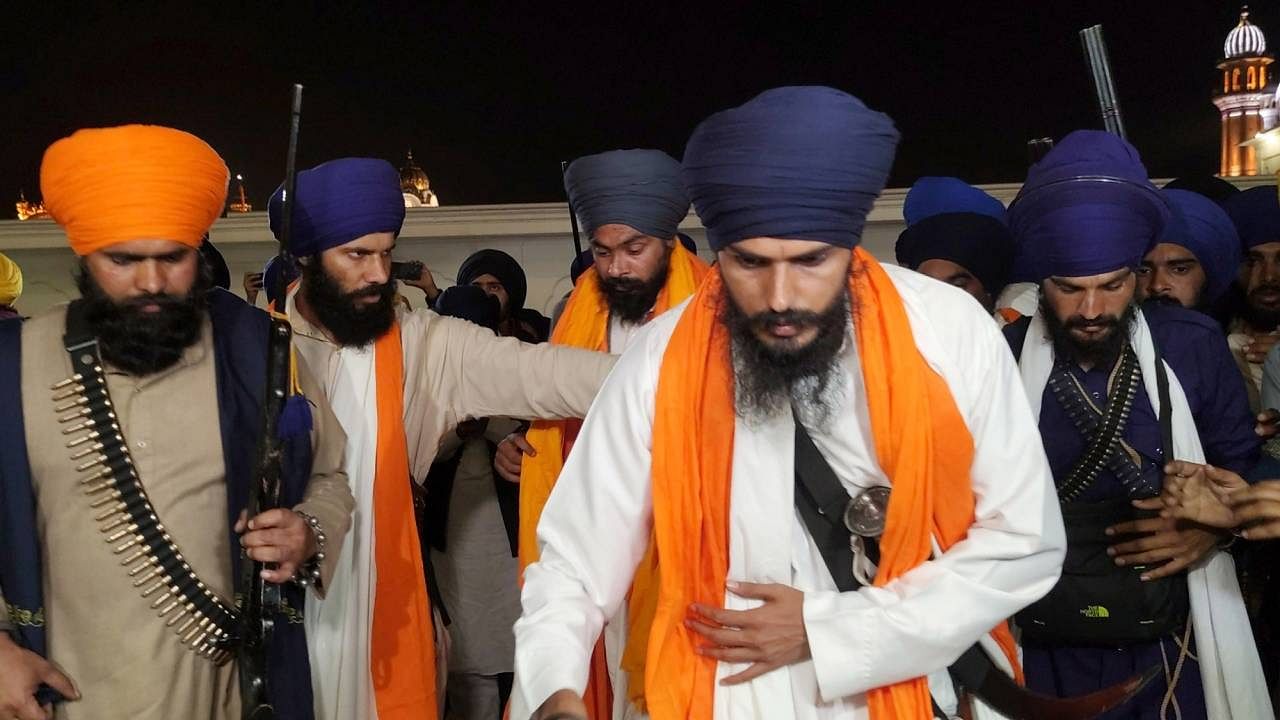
pixel 415 185
pixel 1246 99
pixel 241 203
pixel 28 210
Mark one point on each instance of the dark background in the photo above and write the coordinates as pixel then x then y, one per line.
pixel 491 96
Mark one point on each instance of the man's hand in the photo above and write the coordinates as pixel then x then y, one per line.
pixel 562 705
pixel 252 286
pixel 278 536
pixel 1255 351
pixel 769 637
pixel 21 674
pixel 1197 493
pixel 1257 509
pixel 1268 424
pixel 510 456
pixel 426 283
pixel 1164 545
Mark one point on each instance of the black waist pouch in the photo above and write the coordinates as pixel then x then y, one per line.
pixel 1096 602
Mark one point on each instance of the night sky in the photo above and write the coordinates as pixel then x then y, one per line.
pixel 492 96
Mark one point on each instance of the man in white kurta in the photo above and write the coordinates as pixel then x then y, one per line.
pixel 598 521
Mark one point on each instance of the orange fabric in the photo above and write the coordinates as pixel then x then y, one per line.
pixel 1009 315
pixel 585 324
pixel 135 182
pixel 403 644
pixel 922 442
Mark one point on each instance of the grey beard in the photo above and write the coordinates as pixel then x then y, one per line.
pixel 761 396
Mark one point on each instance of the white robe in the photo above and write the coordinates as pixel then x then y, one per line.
pixel 1234 687
pixel 596 524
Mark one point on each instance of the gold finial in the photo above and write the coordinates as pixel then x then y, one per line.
pixel 1244 15
pixel 241 203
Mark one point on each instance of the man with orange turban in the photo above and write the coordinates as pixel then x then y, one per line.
pixel 803 397
pixel 630 204
pixel 399 381
pixel 124 478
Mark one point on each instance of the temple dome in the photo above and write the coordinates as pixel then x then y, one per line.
pixel 1245 39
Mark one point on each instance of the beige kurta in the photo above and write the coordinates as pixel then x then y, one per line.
pixel 113 645
pixel 453 371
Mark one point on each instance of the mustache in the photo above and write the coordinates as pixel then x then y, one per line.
pixel 1265 288
pixel 770 319
pixel 1106 321
pixel 623 284
pixel 371 291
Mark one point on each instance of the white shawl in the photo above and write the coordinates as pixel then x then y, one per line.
pixel 1231 672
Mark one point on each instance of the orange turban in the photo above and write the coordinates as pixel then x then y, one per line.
pixel 135 182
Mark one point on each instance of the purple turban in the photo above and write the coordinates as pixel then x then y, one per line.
pixel 1256 214
pixel 1202 227
pixel 340 201
pixel 1087 208
pixel 803 163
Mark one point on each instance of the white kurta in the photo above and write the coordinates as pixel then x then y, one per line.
pixel 596 525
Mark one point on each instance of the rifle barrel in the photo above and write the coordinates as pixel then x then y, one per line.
pixel 573 215
pixel 1104 84
pixel 290 186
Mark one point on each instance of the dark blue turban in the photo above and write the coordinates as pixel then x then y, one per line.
pixel 580 265
pixel 1202 227
pixel 1087 208
pixel 637 188
pixel 938 195
pixel 340 201
pixel 803 163
pixel 1256 214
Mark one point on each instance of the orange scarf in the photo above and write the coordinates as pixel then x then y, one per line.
pixel 585 324
pixel 403 644
pixel 921 440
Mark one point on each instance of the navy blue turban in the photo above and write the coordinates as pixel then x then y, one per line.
pixel 948 219
pixel 637 188
pixel 340 201
pixel 1202 227
pixel 217 264
pixel 580 265
pixel 1256 214
pixel 1087 208
pixel 803 163
pixel 503 267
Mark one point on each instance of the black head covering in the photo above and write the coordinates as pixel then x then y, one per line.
pixel 500 265
pixel 1214 188
pixel 469 303
pixel 980 243
pixel 217 264
pixel 638 188
pixel 580 265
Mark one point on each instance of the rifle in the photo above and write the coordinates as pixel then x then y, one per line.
pixel 573 216
pixel 1099 62
pixel 262 600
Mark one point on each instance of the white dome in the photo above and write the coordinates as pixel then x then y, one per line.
pixel 1245 39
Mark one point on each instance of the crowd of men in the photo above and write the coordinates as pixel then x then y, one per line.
pixel 777 480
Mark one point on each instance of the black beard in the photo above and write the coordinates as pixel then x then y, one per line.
pixel 769 378
pixel 143 343
pixel 1260 319
pixel 1100 353
pixel 631 299
pixel 351 325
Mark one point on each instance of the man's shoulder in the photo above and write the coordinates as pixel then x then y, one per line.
pixel 1176 327
pixel 47 327
pixel 947 310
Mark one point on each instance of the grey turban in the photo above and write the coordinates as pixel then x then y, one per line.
pixel 639 188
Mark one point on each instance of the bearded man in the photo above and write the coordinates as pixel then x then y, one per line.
pixel 800 364
pixel 1118 392
pixel 398 381
pixel 122 489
